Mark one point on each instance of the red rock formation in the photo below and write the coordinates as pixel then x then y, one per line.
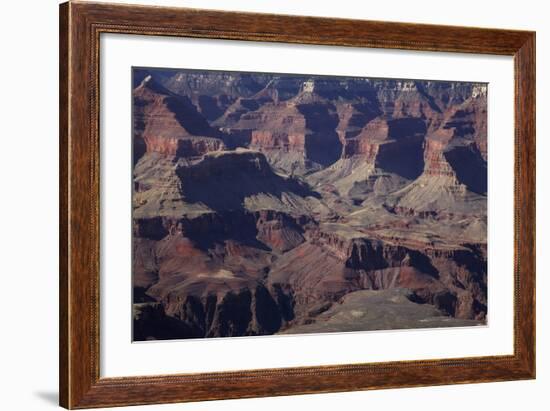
pixel 168 124
pixel 366 143
pixel 182 146
pixel 275 140
pixel 218 292
pixel 435 163
pixel 469 120
pixel 361 263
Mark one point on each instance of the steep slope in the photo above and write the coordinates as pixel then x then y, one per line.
pixel 297 134
pixel 337 260
pixel 246 180
pixel 169 124
pixel 454 180
pixel 368 310
pixel 212 92
pixel 382 158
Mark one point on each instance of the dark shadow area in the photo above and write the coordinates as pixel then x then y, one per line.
pixel 476 266
pixel 151 228
pixel 234 315
pixel 406 127
pixel 236 138
pixel 371 256
pixel 479 308
pixel 139 148
pixel 138 75
pixel 443 300
pixel 422 263
pixel 446 302
pixel 405 158
pixel 267 311
pixel 322 145
pixel 250 104
pixel 323 148
pixel 237 313
pixel 431 101
pixel 210 229
pixel 151 323
pixel 363 114
pixel 222 182
pixel 209 107
pixel 463 123
pixel 140 295
pixel 159 75
pixel 185 112
pixel 368 111
pixel 470 167
pixel 190 119
pixel 285 302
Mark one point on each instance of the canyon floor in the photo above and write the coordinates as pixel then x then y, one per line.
pixel 280 204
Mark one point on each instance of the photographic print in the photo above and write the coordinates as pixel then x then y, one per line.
pixel 268 204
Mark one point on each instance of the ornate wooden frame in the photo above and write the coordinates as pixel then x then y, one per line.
pixel 80 27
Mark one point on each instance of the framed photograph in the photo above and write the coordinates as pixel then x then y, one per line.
pixel 259 205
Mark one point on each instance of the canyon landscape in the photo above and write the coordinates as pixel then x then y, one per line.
pixel 282 203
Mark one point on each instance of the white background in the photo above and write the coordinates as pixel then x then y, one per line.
pixel 29 207
pixel 121 358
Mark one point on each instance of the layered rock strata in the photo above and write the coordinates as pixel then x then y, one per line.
pixel 267 204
